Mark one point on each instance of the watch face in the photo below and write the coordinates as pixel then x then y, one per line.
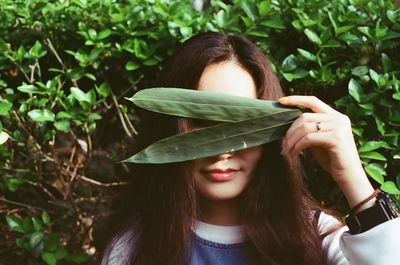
pixel 392 208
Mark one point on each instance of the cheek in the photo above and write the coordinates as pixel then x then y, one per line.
pixel 252 156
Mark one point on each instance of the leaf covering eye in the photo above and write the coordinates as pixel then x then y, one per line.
pixel 227 123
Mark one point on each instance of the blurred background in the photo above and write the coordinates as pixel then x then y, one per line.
pixel 66 66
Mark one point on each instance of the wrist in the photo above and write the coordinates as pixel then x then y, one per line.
pixel 356 189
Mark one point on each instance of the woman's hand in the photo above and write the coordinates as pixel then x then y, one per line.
pixel 328 134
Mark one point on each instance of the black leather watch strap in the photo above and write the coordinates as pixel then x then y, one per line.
pixel 383 210
pixel 366 219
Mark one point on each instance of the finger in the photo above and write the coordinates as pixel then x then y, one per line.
pixel 306 118
pixel 306 128
pixel 311 139
pixel 311 102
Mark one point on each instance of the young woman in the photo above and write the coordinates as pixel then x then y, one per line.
pixel 247 206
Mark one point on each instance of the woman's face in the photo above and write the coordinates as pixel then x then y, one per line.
pixel 225 176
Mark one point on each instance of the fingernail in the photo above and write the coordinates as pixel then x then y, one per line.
pixel 283 99
pixel 283 149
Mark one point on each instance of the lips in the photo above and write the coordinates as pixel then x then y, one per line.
pixel 221 175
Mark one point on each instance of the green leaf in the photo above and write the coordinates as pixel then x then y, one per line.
pixel 306 54
pixel 273 23
pixel 30 89
pixel 372 145
pixel 36 239
pixel 79 95
pixel 359 71
pixel 103 90
pixel 375 171
pixel 391 15
pixel 205 105
pixel 290 63
pixel 37 224
pixel 386 63
pixel 131 66
pixel 49 258
pixel 41 115
pixel 5 106
pixel 390 187
pixel 104 34
pixel 248 9
pixel 79 257
pixel 264 7
pixel 92 34
pixel 372 155
pixel 216 139
pixel 14 223
pixel 355 90
pixel 374 76
pixel 312 36
pixel 3 137
pixel 36 51
pixel 45 218
pixel 63 125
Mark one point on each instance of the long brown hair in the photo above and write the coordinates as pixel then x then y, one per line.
pixel 164 202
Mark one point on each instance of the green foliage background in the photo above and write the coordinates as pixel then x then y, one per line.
pixel 66 66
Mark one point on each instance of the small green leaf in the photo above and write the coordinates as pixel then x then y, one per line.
pixel 273 23
pixel 45 218
pixel 371 145
pixel 36 238
pixel 14 223
pixel 390 187
pixel 355 90
pixel 41 115
pixel 3 137
pixel 264 7
pixel 36 51
pixel 92 34
pixel 104 34
pixel 79 257
pixel 63 125
pixel 312 36
pixel 103 90
pixel 359 71
pixel 306 54
pixel 30 89
pixel 49 258
pixel 374 76
pixel 79 95
pixel 290 63
pixel 5 106
pixel 372 155
pixel 391 15
pixel 94 117
pixel 131 66
pixel 365 30
pixel 376 172
pixel 36 224
pixel 386 63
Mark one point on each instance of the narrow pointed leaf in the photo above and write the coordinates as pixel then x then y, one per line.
pixel 222 138
pixel 204 105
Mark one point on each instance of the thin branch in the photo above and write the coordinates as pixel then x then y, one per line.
pixel 121 117
pixel 98 183
pixel 53 50
pixel 20 204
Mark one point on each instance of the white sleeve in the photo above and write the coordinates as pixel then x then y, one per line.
pixel 376 246
pixel 330 243
pixel 379 245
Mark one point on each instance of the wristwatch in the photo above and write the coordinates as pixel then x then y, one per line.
pixel 385 209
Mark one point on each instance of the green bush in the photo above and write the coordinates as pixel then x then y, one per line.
pixel 66 66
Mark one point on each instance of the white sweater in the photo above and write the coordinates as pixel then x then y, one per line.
pixel 377 246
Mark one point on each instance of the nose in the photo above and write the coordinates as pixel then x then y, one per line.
pixel 224 156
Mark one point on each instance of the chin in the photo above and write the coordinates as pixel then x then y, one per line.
pixel 220 193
